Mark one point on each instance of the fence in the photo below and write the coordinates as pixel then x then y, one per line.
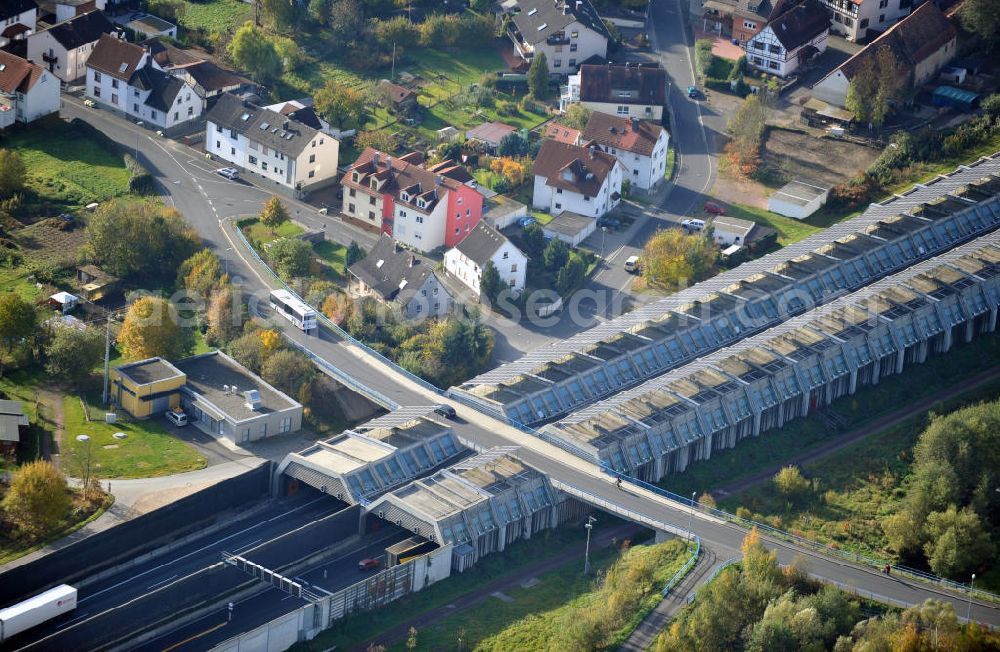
pixel 708 580
pixel 807 543
pixel 682 573
pixel 615 508
pixel 337 329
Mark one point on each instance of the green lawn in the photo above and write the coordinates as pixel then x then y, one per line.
pixel 66 168
pixel 216 15
pixel 531 619
pixel 789 229
pixel 148 450
pixel 355 631
pixel 333 254
pixel 751 456
pixel 257 232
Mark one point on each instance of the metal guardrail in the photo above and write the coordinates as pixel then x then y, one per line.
pixel 332 326
pixel 807 543
pixel 347 379
pixel 683 571
pixel 708 580
pixel 615 508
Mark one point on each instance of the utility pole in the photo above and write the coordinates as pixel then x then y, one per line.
pixel 107 357
pixel 968 610
pixel 691 517
pixel 586 555
pixel 392 75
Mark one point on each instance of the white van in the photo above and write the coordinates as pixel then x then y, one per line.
pixel 177 417
pixel 632 264
pixel 693 225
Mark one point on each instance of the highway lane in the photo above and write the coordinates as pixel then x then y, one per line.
pixel 96 598
pixel 489 432
pixel 326 576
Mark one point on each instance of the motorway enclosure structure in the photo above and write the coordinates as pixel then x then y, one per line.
pixel 566 376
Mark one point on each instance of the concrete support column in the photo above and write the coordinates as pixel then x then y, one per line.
pixel 946 346
pixel 362 521
pixel 854 381
pixel 900 359
pixel 993 320
pixel 876 370
pixel 969 327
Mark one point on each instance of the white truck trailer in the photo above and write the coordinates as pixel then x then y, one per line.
pixel 35 611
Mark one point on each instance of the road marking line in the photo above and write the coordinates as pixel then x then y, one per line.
pixel 70 622
pixel 161 582
pixel 195 637
pixel 252 543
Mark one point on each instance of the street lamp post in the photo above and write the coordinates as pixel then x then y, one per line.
pixel 691 517
pixel 968 610
pixel 604 236
pixel 226 252
pixel 586 555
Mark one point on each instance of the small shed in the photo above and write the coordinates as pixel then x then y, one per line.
pixel 500 211
pixel 955 97
pixel 64 301
pixel 571 228
pixel 149 26
pixel 12 419
pixel 448 134
pixel 490 133
pixel 95 283
pixel 799 198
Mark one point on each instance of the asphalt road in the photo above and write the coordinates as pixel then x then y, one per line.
pixel 328 576
pixel 94 599
pixel 204 199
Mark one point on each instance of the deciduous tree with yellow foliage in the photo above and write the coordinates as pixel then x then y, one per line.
pixel 152 328
pixel 673 259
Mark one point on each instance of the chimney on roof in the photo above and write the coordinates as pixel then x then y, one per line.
pixel 439 179
pixel 413 260
pixel 375 158
pixel 566 8
pixel 579 5
pixel 635 122
pixel 593 150
pixel 285 125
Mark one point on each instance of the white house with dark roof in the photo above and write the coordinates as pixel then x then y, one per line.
pixel 18 19
pixel 466 260
pixel 65 47
pixel 27 91
pixel 568 31
pixel 392 274
pixel 66 9
pixel 275 147
pixel 124 76
pixel 618 89
pixel 582 180
pixel 640 145
pixel 790 39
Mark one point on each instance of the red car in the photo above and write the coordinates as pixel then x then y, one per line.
pixel 715 209
pixel 368 564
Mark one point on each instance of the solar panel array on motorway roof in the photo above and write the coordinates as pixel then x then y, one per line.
pixel 928 219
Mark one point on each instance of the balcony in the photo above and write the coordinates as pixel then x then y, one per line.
pixel 524 50
pixel 49 58
pixel 557 39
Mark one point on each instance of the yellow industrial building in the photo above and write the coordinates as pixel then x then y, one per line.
pixel 147 387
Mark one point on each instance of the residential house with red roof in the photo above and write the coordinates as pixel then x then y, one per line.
pixel 422 206
pixel 640 146
pixel 27 91
pixel 791 39
pixel 124 76
pixel 581 180
pixel 922 43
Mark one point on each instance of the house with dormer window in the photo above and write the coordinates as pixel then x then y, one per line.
pixel 581 180
pixel 422 206
pixel 790 40
pixel 123 76
pixel 628 90
pixel 568 32
pixel 394 275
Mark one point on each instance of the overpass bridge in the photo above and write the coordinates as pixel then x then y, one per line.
pixel 480 426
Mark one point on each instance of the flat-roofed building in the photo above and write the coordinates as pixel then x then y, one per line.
pixel 220 396
pixel 567 375
pixel 794 369
pixel 359 464
pixel 479 505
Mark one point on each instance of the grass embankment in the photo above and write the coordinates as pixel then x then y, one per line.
pixel 789 229
pixel 216 15
pixel 81 513
pixel 752 456
pixel 148 449
pixel 563 543
pixel 259 233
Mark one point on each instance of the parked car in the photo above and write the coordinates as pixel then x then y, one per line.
pixel 611 223
pixel 693 225
pixel 445 410
pixel 714 209
pixel 368 564
pixel 90 104
pixel 632 265
pixel 230 173
pixel 692 91
pixel 526 221
pixel 177 417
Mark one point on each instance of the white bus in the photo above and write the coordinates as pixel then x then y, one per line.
pixel 295 311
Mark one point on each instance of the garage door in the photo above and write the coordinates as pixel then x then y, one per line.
pixel 161 404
